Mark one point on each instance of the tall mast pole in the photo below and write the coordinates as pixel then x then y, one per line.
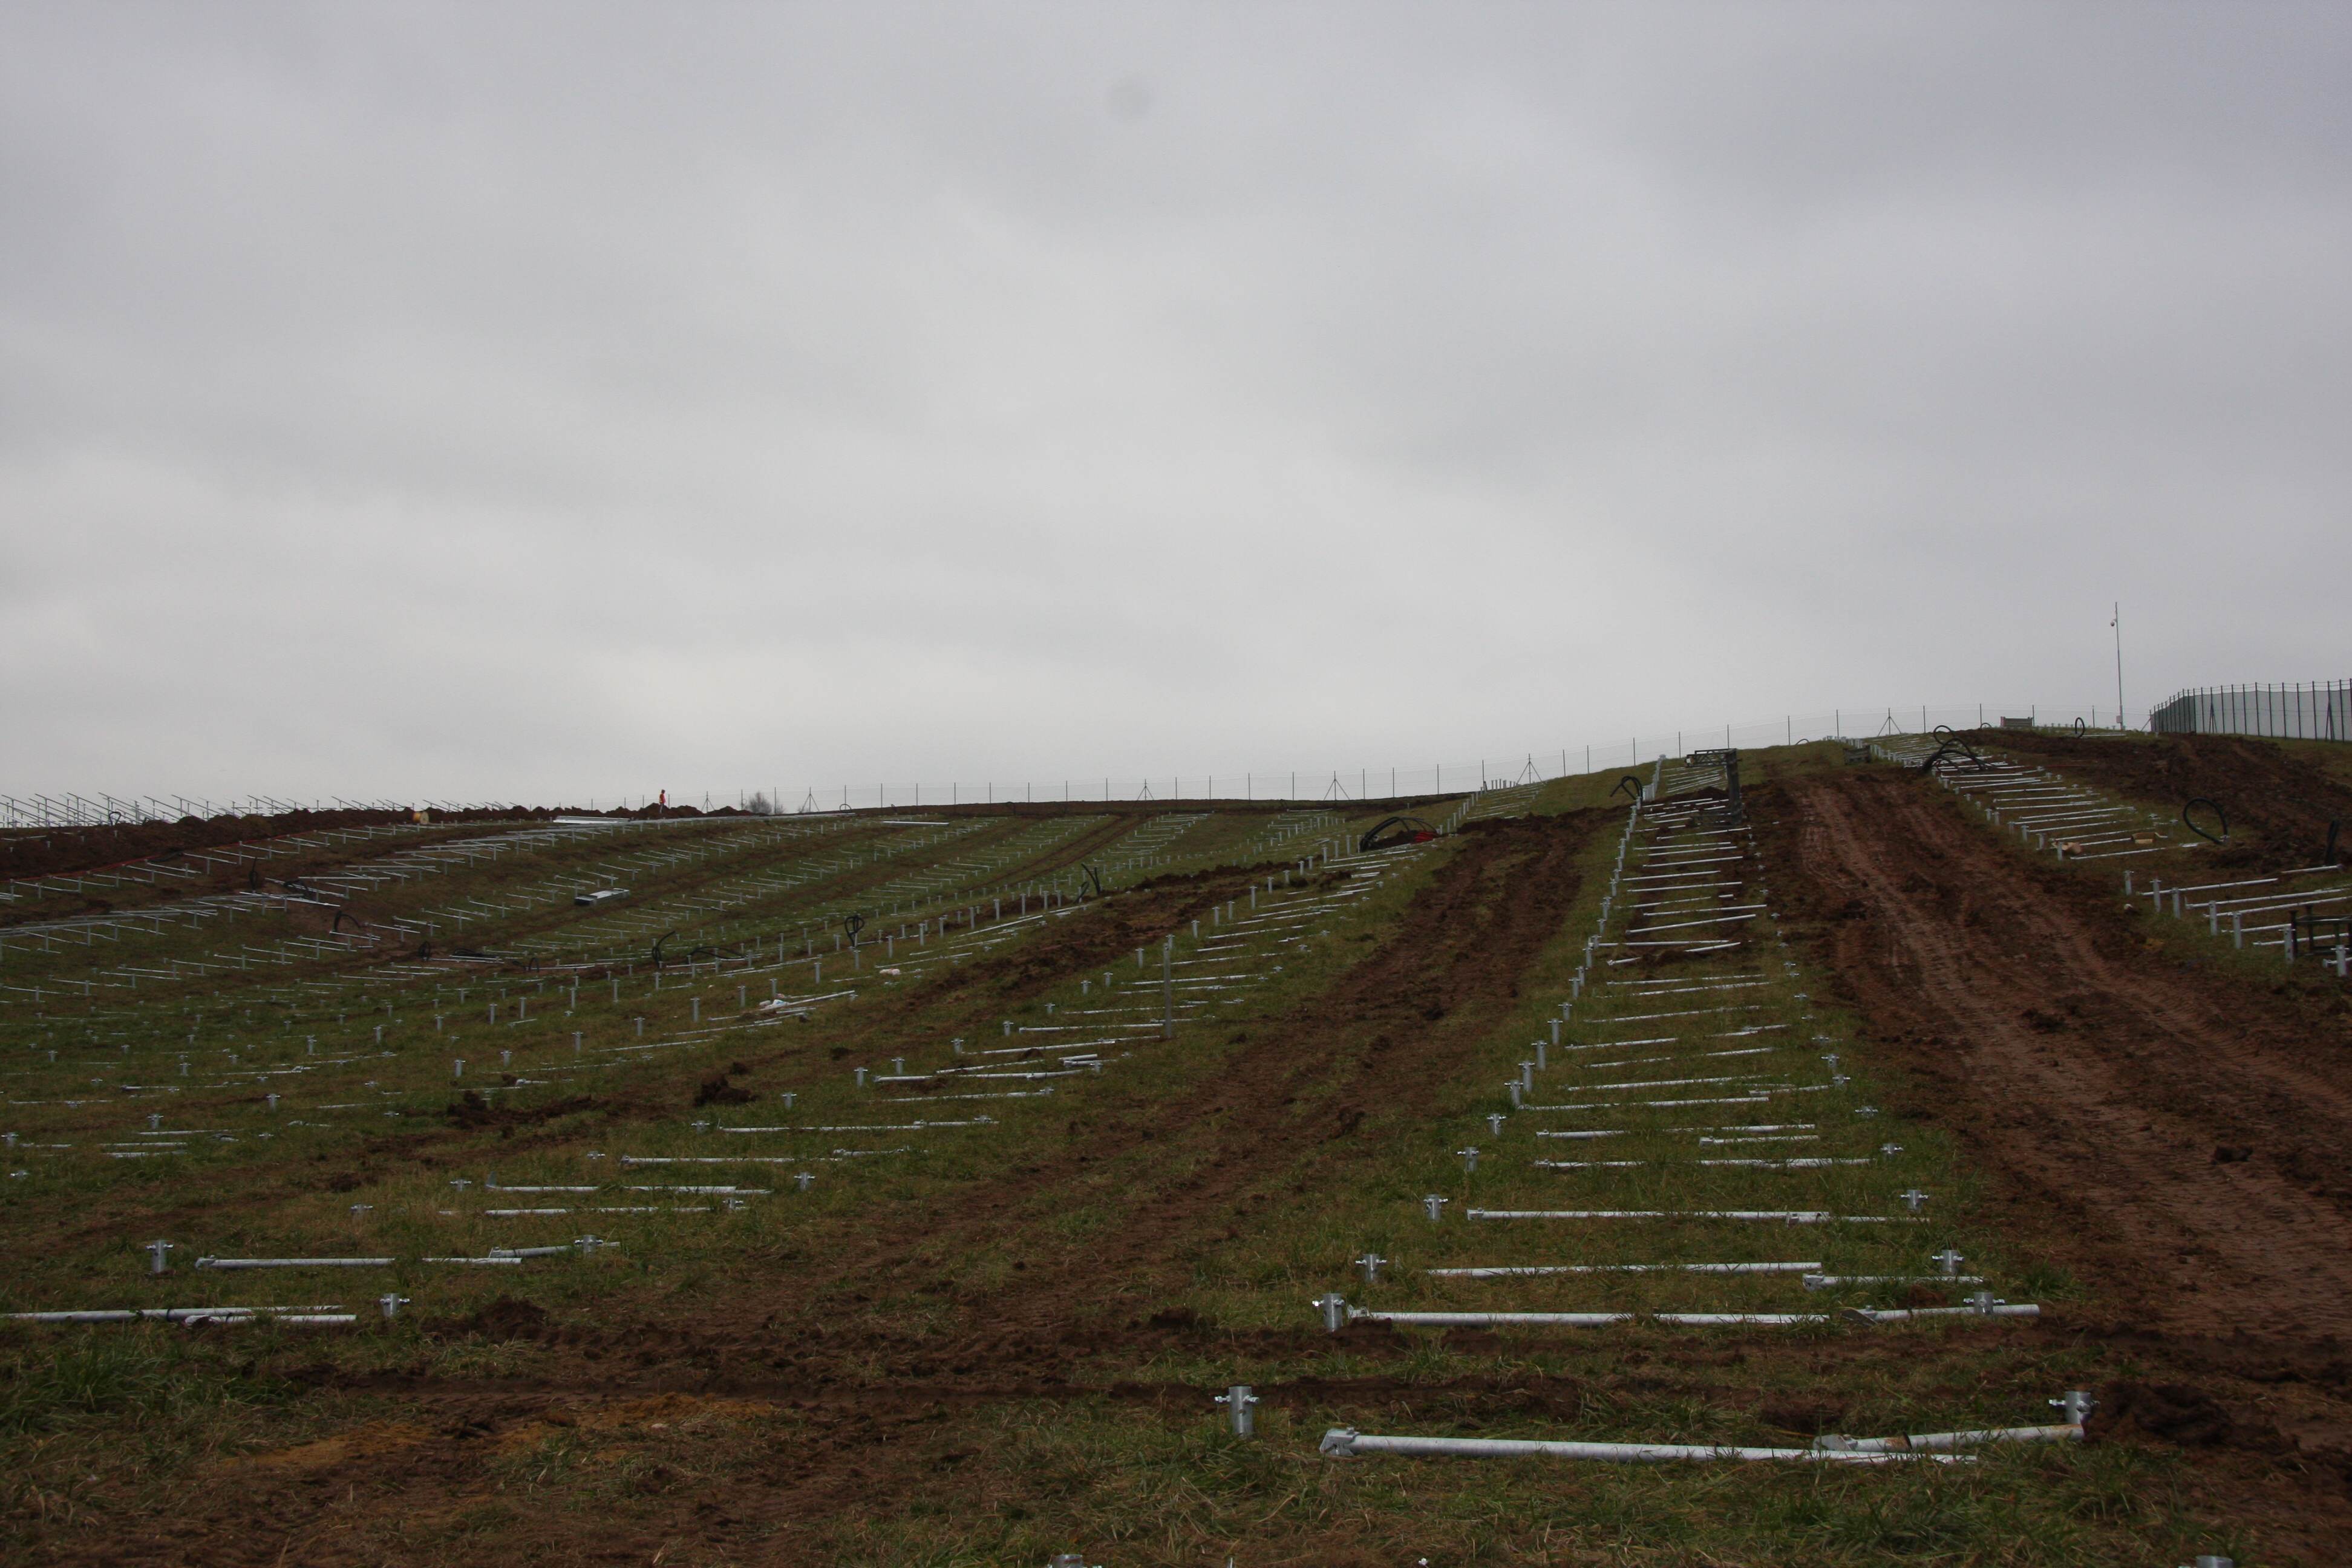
pixel 2118 624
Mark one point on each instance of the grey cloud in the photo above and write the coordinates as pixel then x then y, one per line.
pixel 562 400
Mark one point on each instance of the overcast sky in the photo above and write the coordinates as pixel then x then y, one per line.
pixel 492 401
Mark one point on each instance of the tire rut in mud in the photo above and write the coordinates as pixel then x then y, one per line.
pixel 2172 1134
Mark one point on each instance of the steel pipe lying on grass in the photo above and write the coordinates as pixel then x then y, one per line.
pixel 1627 1132
pixel 190 1315
pixel 1786 1216
pixel 1928 1442
pixel 1581 1320
pixel 1345 1443
pixel 1978 1307
pixel 296 1262
pixel 585 1244
pixel 1338 1312
pixel 1812 1271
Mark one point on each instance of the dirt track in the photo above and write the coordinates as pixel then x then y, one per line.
pixel 2182 1132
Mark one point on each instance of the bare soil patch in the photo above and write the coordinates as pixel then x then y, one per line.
pixel 2170 1132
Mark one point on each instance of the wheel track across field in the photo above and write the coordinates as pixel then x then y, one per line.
pixel 2176 1131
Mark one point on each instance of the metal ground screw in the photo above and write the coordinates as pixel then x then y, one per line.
pixel 1495 1119
pixel 1238 1401
pixel 1368 1266
pixel 1469 1159
pixel 1334 1308
pixel 155 1258
pixel 1984 1301
pixel 806 1180
pixel 1914 1198
pixel 390 1305
pixel 1948 1263
pixel 861 1077
pixel 1513 1086
pixel 2076 1404
pixel 154 1119
pixel 1890 1149
pixel 1435 1203
pixel 788 1097
pixel 273 1100
pixel 457 1067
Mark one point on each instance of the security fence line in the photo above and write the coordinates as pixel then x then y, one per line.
pixel 2290 710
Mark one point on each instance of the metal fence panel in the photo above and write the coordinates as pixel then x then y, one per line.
pixel 2291 711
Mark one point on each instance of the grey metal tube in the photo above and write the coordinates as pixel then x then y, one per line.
pixel 1930 1441
pixel 164 1315
pixel 1584 1320
pixel 1516 1270
pixel 294 1262
pixel 1487 1319
pixel 1341 1442
pixel 1904 1314
pixel 1785 1216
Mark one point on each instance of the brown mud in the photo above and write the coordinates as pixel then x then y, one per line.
pixel 2170 1131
